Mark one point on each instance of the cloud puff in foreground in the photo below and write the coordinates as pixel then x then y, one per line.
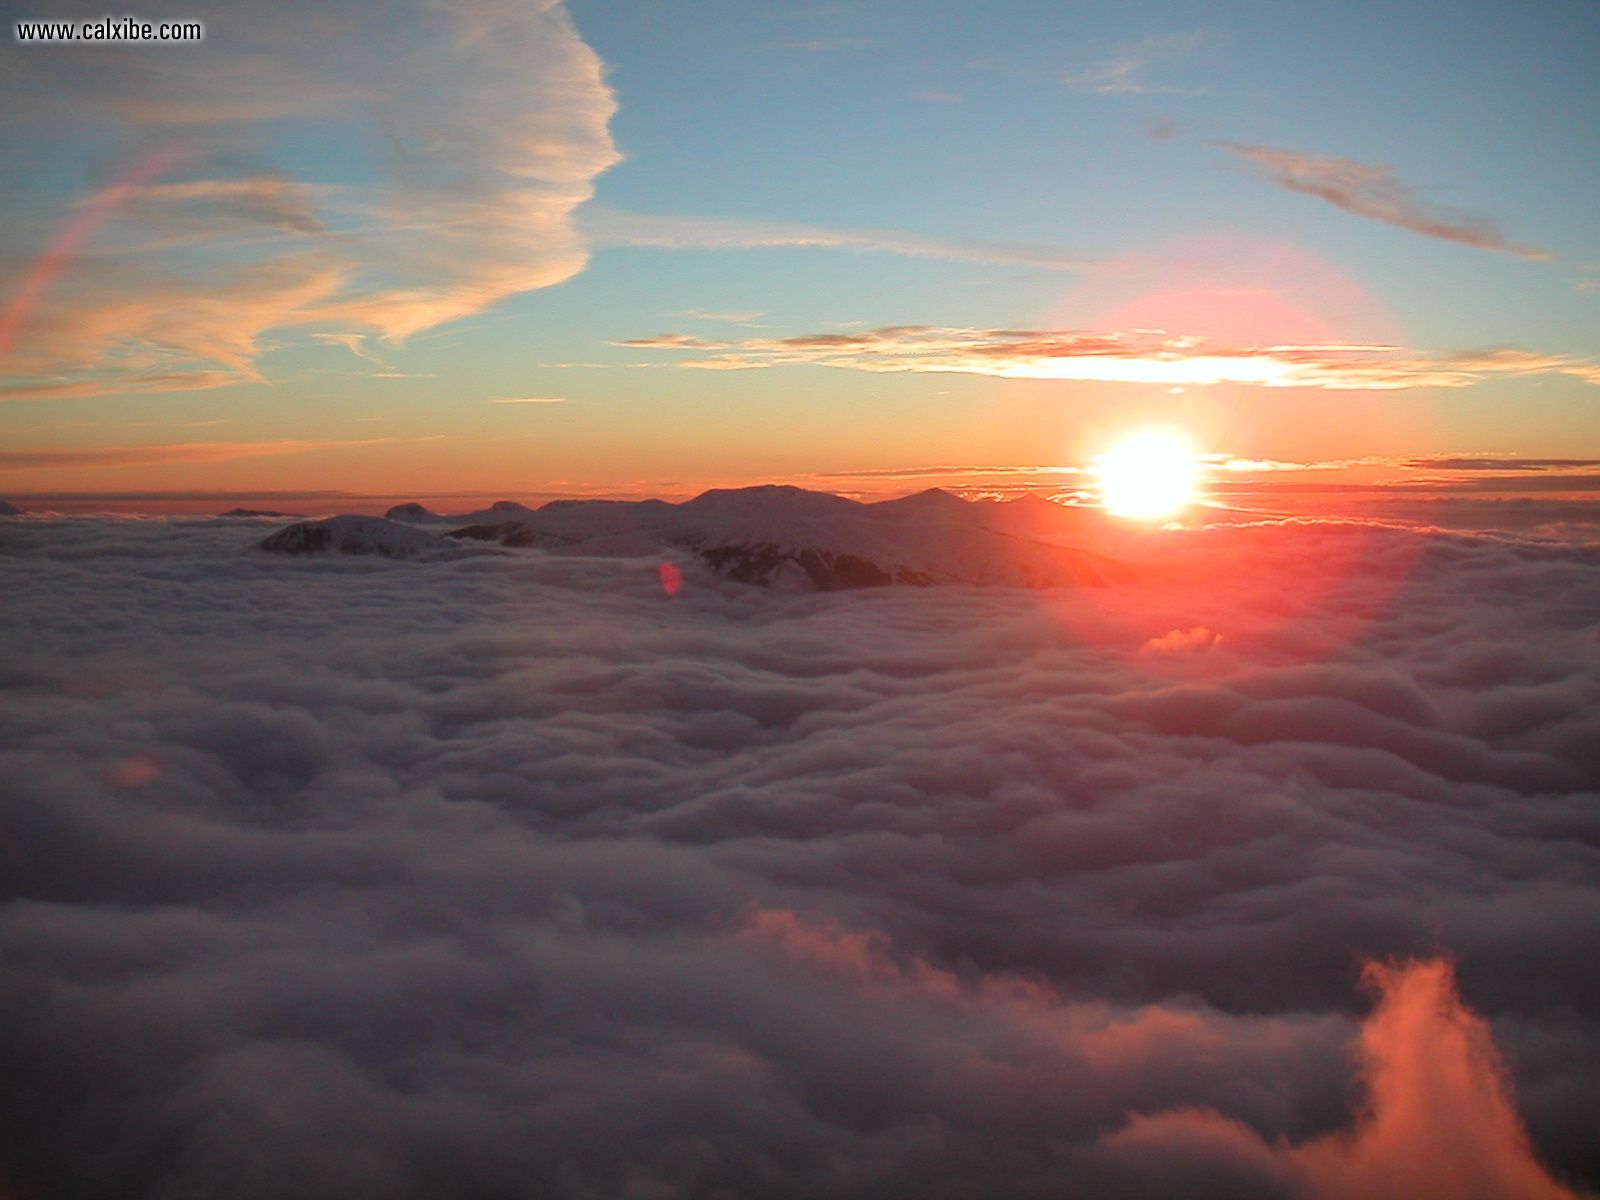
pixel 1438 1123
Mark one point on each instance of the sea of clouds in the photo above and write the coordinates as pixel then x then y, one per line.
pixel 509 875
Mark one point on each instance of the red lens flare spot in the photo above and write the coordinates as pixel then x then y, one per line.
pixel 136 770
pixel 671 578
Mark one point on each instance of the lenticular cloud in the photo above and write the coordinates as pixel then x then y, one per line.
pixel 510 874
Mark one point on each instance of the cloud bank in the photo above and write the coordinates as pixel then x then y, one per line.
pixel 515 874
pixel 1121 357
pixel 471 132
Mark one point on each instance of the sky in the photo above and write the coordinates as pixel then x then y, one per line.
pixel 534 249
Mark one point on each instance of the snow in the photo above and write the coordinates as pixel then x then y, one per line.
pixel 497 513
pixel 791 537
pixel 354 535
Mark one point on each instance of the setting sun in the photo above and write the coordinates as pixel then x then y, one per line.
pixel 1147 475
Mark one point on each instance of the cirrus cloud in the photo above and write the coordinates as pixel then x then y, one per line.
pixel 487 122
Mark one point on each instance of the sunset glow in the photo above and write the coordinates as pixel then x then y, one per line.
pixel 778 598
pixel 1148 475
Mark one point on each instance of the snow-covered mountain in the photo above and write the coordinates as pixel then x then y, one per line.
pixel 797 539
pixel 496 514
pixel 354 535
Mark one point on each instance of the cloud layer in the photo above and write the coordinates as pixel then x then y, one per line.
pixel 519 875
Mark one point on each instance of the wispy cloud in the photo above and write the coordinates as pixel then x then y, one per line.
pixel 1372 190
pixel 181 452
pixel 1126 72
pixel 1121 357
pixel 731 318
pixel 834 45
pixel 528 400
pixel 175 381
pixel 356 343
pixel 677 232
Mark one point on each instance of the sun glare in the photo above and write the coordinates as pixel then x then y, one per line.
pixel 1147 475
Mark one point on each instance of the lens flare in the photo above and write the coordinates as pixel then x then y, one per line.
pixel 1148 475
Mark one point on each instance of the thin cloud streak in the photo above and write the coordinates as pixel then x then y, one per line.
pixel 182 452
pixel 613 227
pixel 172 381
pixel 1372 190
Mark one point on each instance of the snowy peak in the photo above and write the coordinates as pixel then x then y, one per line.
pixel 411 512
pixel 797 539
pixel 767 501
pixel 933 504
pixel 353 535
pixel 497 513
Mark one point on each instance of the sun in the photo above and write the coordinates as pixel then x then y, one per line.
pixel 1147 475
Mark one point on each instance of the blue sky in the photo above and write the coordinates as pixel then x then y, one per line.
pixel 317 252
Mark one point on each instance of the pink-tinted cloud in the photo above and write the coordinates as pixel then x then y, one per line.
pixel 1373 190
pixel 491 136
pixel 155 381
pixel 1438 1121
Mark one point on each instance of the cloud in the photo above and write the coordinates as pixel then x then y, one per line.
pixel 152 381
pixel 1439 1122
pixel 487 125
pixel 1131 357
pixel 1372 190
pixel 1125 73
pixel 528 400
pixel 1510 463
pixel 182 452
pixel 732 318
pixel 513 874
pixel 613 227
pixel 356 343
